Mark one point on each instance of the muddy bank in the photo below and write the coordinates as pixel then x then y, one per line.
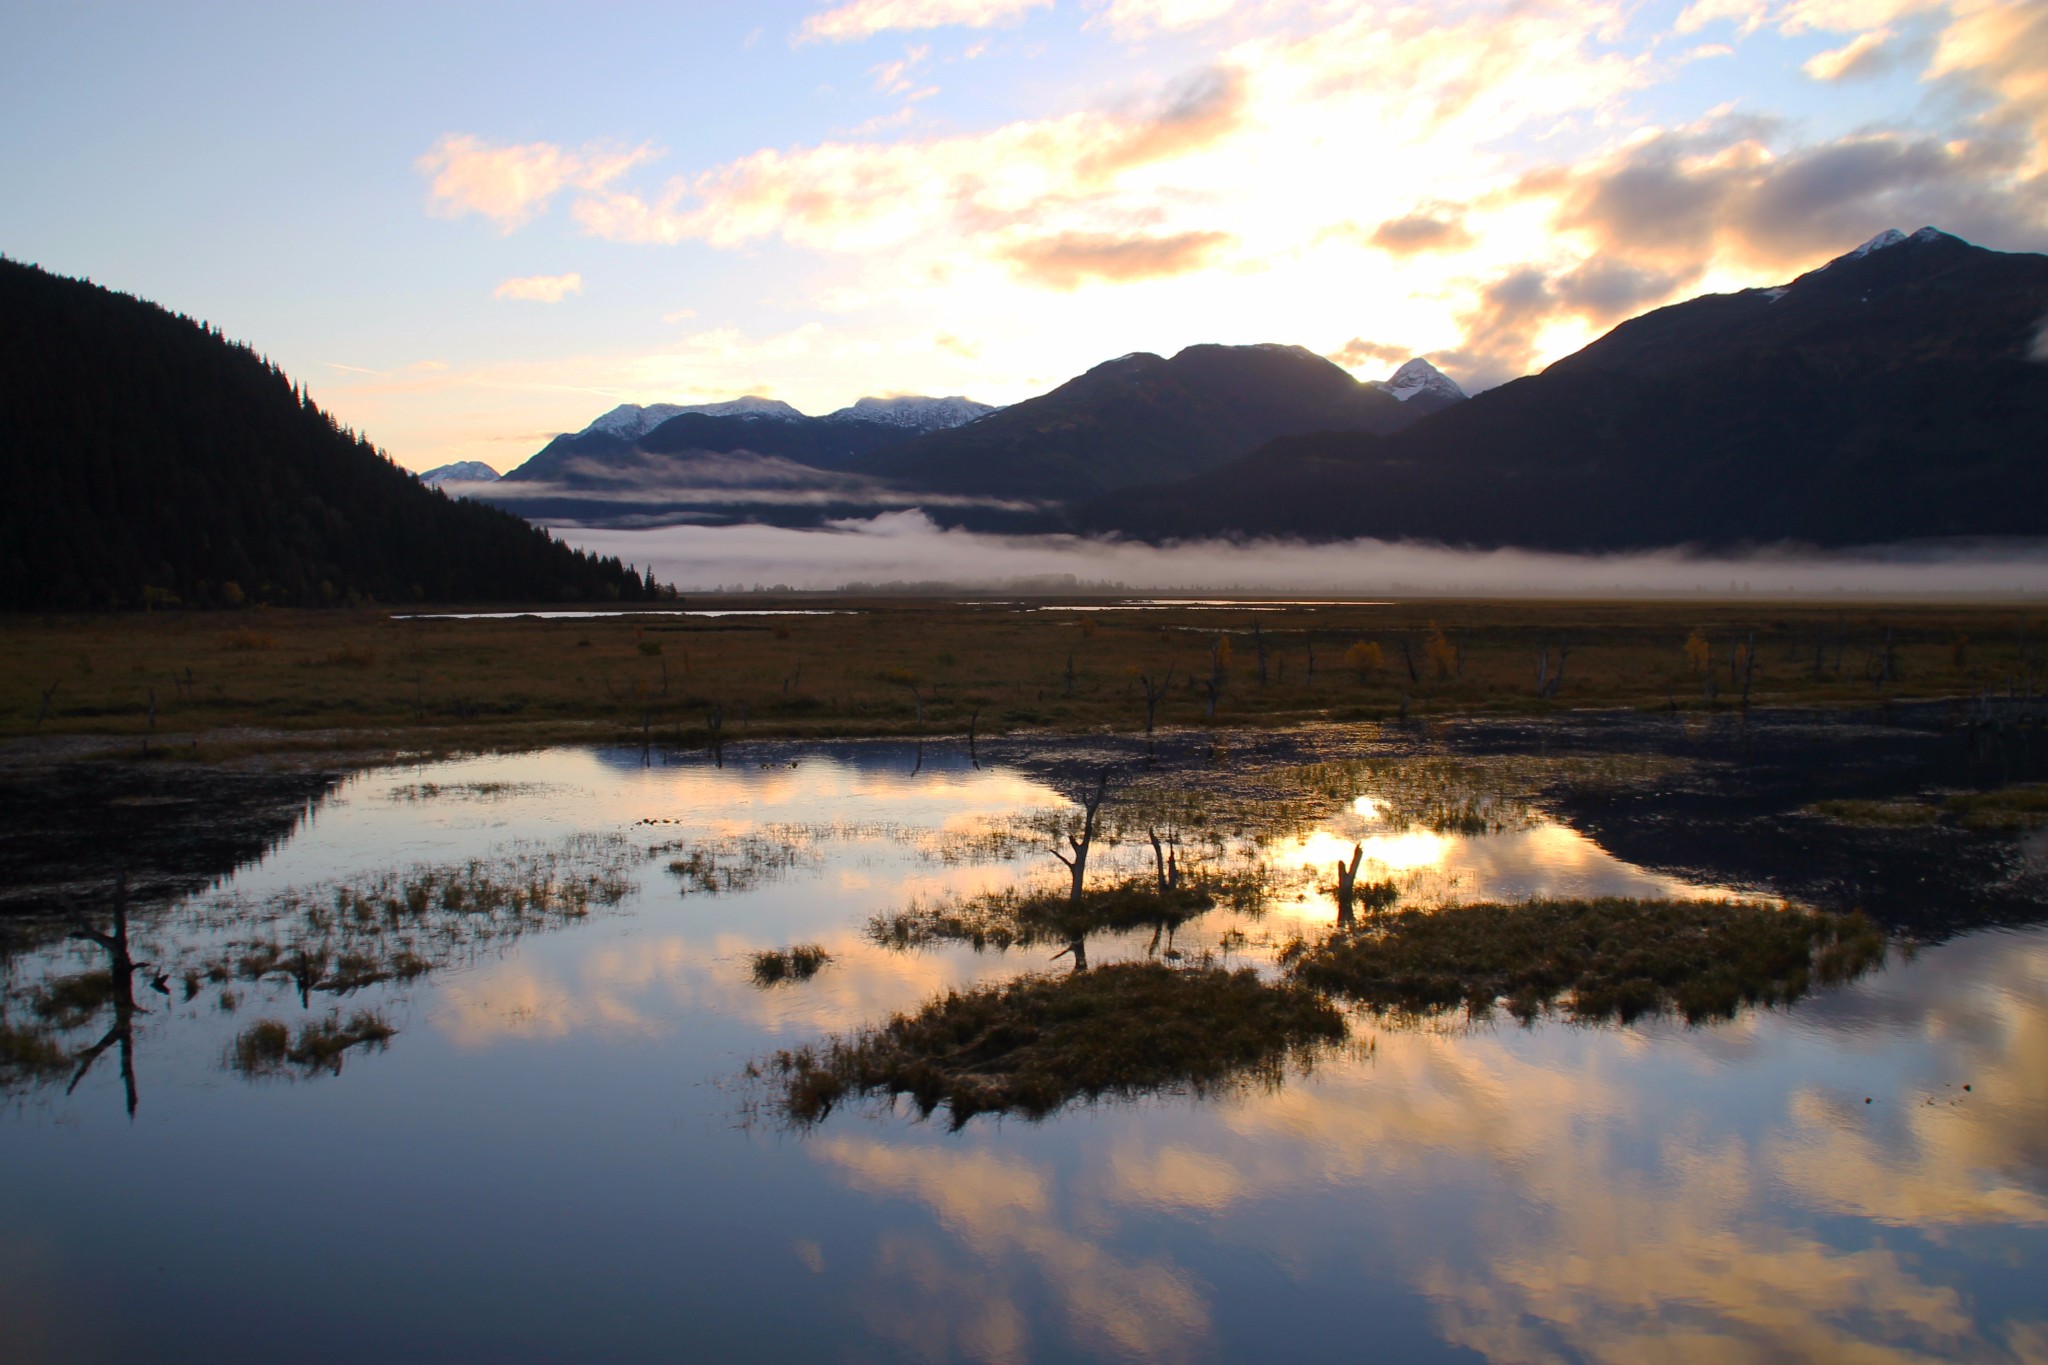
pixel 68 830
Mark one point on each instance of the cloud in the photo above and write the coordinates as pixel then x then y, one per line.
pixel 510 184
pixel 1070 259
pixel 865 18
pixel 1419 232
pixel 2000 51
pixel 1869 54
pixel 893 78
pixel 1134 19
pixel 540 288
pixel 1720 193
pixel 1357 351
pixel 1504 329
pixel 905 546
pixel 1196 111
pixel 860 196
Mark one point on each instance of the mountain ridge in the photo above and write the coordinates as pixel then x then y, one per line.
pixel 1888 395
pixel 145 458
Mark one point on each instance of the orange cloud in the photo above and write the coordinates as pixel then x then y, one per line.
pixel 1358 351
pixel 857 196
pixel 1870 54
pixel 510 184
pixel 1420 232
pixel 540 288
pixel 1071 259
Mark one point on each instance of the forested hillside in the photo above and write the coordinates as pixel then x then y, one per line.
pixel 145 458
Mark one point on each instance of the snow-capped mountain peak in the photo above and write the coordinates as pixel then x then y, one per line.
pixel 1418 377
pixel 462 471
pixel 914 412
pixel 630 421
pixel 1889 237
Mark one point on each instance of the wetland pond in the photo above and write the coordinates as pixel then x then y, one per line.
pixel 596 1054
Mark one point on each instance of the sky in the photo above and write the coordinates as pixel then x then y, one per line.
pixel 467 227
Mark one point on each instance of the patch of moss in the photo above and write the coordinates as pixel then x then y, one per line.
pixel 1032 1045
pixel 1595 959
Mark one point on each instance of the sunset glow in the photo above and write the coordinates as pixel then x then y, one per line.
pixel 985 196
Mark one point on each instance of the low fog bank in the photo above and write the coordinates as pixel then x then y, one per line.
pixel 907 548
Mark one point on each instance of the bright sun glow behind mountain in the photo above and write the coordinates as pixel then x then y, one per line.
pixel 505 233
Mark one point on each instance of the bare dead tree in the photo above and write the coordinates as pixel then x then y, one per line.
pixel 121 969
pixel 1259 649
pixel 43 711
pixel 1548 682
pixel 1311 660
pixel 1081 843
pixel 918 698
pixel 714 724
pixel 1070 672
pixel 1408 657
pixel 1166 859
pixel 1213 686
pixel 1347 887
pixel 1154 694
pixel 1748 667
pixel 973 717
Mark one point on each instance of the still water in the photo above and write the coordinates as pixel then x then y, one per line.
pixel 560 1153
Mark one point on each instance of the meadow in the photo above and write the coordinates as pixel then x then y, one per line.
pixel 217 683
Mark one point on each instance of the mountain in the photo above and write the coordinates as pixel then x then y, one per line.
pixel 462 471
pixel 614 451
pixel 914 413
pixel 1892 394
pixel 1139 419
pixel 1423 387
pixel 601 460
pixel 145 458
pixel 630 421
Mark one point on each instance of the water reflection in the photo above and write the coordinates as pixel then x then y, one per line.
pixel 1526 1194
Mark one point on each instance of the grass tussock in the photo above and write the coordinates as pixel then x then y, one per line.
pixel 1014 918
pixel 1900 814
pixel 1591 959
pixel 781 966
pixel 2023 806
pixel 27 1053
pixel 2010 808
pixel 267 1047
pixel 1032 1045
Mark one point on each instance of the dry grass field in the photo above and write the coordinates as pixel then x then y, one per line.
pixel 265 679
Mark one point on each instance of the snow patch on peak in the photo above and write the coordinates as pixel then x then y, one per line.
pixel 1889 237
pixel 1418 376
pixel 914 412
pixel 630 421
pixel 1934 234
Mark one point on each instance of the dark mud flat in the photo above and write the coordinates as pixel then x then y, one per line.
pixel 1739 811
pixel 171 828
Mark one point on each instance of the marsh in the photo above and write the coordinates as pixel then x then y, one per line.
pixel 490 1045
